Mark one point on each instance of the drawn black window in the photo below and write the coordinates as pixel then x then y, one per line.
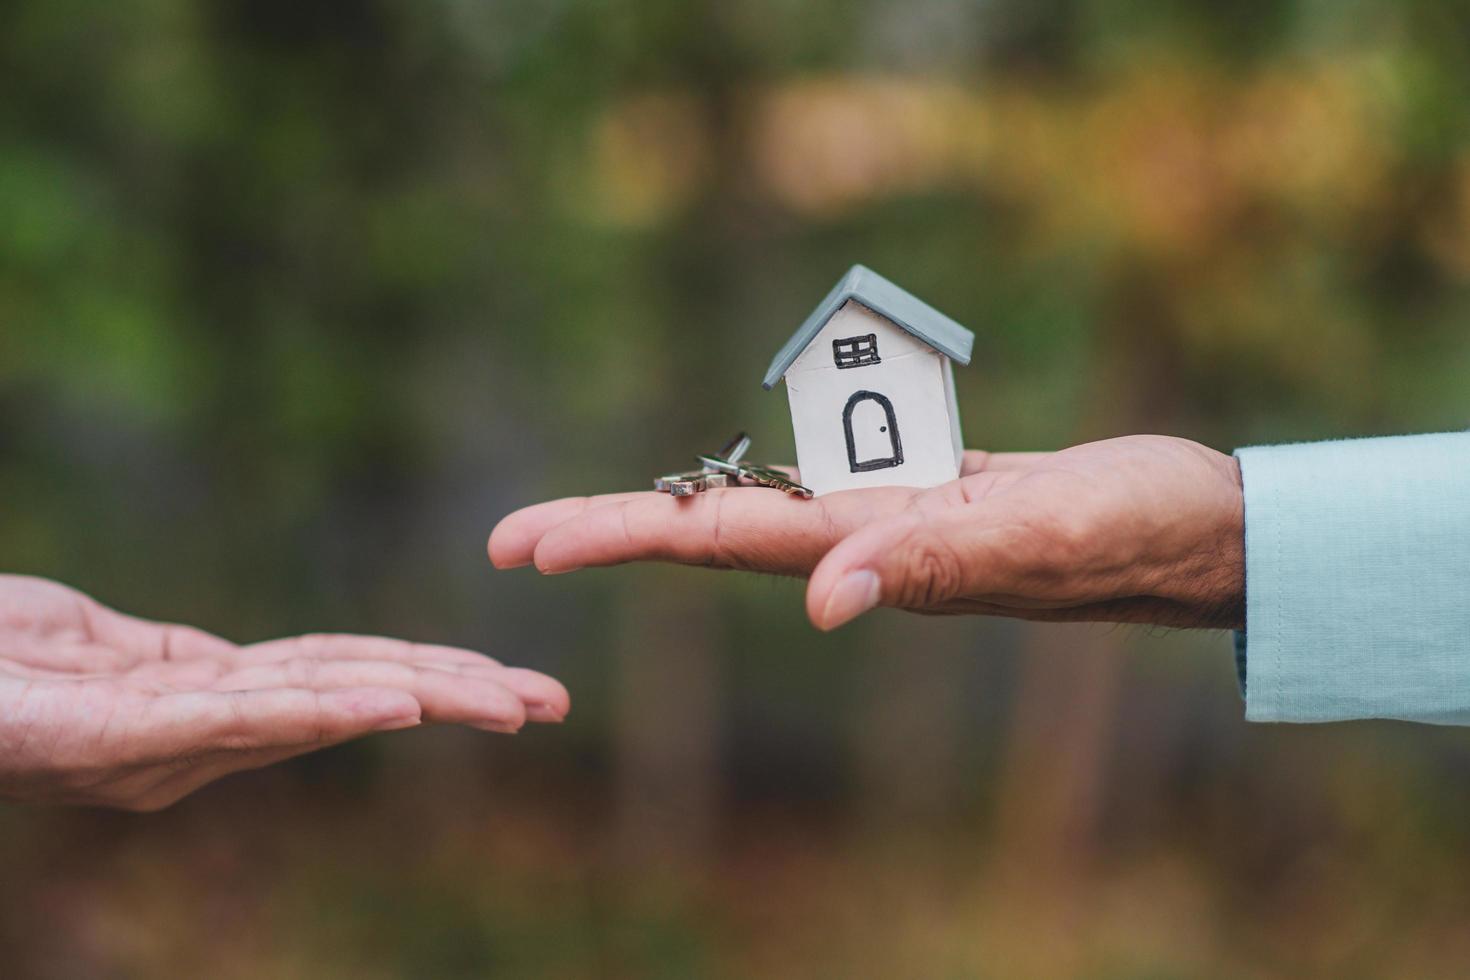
pixel 854 352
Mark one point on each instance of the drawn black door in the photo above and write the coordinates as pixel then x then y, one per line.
pixel 872 433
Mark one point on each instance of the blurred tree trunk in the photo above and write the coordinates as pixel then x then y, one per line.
pixel 669 701
pixel 667 724
pixel 1054 785
pixel 911 720
pixel 1052 780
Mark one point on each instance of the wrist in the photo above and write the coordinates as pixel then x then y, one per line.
pixel 1221 603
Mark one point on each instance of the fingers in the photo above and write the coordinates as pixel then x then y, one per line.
pixel 443 696
pixel 144 641
pixel 183 725
pixel 342 646
pixel 513 542
pixel 544 698
pixel 749 529
pixel 756 530
pixel 916 561
pixel 269 712
pixel 163 784
pixel 197 739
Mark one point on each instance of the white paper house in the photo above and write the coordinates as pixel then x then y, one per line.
pixel 871 381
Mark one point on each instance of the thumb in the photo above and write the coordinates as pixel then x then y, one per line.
pixel 912 561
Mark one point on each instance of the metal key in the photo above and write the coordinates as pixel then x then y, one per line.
pixel 769 476
pixel 682 484
pixel 708 478
pixel 764 476
pixel 733 451
pixel 736 448
pixel 715 463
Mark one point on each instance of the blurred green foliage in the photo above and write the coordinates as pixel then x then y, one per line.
pixel 297 299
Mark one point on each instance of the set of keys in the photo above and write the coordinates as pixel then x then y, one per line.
pixel 726 468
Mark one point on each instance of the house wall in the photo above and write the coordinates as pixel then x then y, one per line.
pixel 911 375
pixel 953 404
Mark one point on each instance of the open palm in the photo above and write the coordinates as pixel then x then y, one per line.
pixel 1136 529
pixel 98 707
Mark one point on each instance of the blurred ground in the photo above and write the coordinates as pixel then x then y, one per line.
pixel 297 300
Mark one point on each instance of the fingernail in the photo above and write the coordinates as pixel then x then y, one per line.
pixel 544 713
pixel 499 726
pixel 559 571
pixel 394 724
pixel 855 594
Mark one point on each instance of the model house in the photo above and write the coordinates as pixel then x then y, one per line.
pixel 871 382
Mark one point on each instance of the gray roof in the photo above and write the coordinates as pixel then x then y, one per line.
pixel 863 285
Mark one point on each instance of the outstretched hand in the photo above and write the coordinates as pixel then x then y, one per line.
pixel 100 708
pixel 1142 529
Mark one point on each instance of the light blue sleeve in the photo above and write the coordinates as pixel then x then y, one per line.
pixel 1357 557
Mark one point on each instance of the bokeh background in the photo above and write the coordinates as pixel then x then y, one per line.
pixel 297 299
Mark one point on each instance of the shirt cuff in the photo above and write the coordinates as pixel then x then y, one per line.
pixel 1357 580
